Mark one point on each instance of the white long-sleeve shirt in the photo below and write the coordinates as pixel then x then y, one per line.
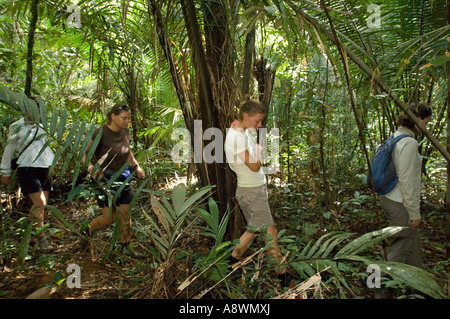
pixel 19 135
pixel 408 164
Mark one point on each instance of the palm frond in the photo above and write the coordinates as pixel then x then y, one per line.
pixel 319 255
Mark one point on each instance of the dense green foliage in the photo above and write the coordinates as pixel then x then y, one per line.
pixel 116 53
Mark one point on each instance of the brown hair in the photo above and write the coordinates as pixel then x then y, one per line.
pixel 116 110
pixel 251 107
pixel 421 110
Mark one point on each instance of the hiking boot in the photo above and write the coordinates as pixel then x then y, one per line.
pixel 44 245
pixel 130 252
pixel 384 293
pixel 286 279
pixel 84 241
pixel 136 255
pixel 231 262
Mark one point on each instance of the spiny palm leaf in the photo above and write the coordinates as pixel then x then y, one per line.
pixel 65 139
pixel 171 218
pixel 319 255
pixel 367 240
pixel 407 40
pixel 217 226
pixel 413 277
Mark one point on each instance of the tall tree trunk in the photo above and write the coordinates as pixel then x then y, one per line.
pixel 187 102
pixel 131 93
pixel 205 98
pixel 248 62
pixel 265 76
pixel 222 85
pixel 180 89
pixel 217 92
pixel 31 33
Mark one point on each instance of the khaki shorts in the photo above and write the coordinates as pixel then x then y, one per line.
pixel 254 203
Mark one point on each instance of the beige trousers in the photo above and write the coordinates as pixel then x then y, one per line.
pixel 404 246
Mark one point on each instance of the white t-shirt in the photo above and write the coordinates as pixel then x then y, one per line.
pixel 236 143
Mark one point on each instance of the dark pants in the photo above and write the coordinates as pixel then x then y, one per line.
pixel 404 246
pixel 33 180
pixel 124 198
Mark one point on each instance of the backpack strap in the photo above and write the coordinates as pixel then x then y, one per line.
pixel 32 140
pixel 398 138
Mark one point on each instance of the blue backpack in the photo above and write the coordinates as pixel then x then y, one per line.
pixel 383 168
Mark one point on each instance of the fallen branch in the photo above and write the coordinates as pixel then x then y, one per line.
pixel 299 291
pixel 235 267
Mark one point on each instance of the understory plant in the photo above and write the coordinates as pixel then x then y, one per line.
pixel 325 254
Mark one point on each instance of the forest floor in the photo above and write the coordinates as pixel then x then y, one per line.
pixel 98 280
pixel 120 276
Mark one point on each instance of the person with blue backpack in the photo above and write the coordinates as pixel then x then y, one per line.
pixel 401 204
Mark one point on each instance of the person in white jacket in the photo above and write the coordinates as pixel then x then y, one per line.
pixel 28 139
pixel 402 205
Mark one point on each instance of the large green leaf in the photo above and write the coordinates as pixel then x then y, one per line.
pixel 216 226
pixel 24 244
pixel 178 197
pixel 60 216
pixel 411 276
pixel 172 216
pixel 316 256
pixel 367 240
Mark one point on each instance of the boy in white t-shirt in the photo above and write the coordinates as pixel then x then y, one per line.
pixel 243 156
